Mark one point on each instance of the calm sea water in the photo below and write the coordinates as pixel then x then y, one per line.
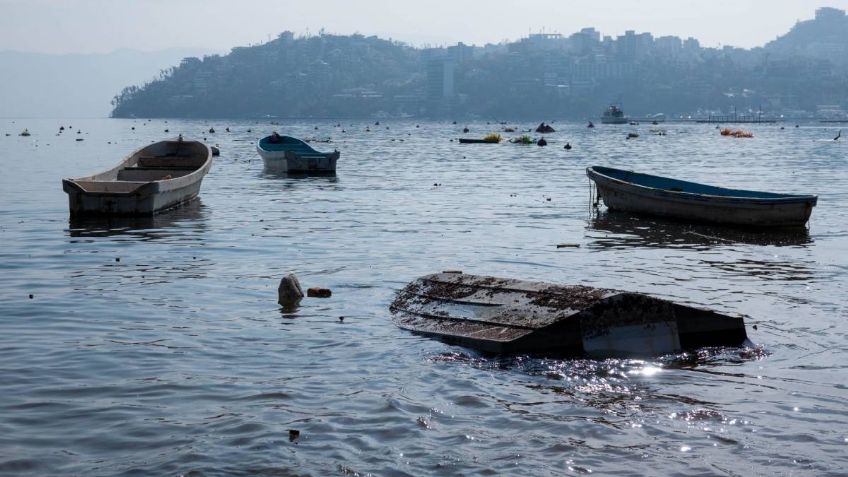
pixel 157 348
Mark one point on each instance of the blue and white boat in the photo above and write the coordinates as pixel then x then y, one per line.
pixel 664 197
pixel 289 154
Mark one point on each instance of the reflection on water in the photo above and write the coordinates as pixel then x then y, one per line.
pixel 147 227
pixel 623 230
pixel 778 270
pixel 272 174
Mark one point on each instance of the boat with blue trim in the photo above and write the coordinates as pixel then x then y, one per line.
pixel 292 155
pixel 665 197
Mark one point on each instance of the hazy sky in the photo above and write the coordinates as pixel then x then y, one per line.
pixel 90 26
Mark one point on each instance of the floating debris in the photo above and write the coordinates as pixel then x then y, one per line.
pixel 316 292
pixel 525 139
pixel 736 133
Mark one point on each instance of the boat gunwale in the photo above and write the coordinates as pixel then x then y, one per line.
pixel 163 185
pixel 594 173
pixel 300 142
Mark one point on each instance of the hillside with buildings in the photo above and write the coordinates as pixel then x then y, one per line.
pixel 802 73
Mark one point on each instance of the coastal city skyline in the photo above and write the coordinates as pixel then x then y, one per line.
pixel 50 26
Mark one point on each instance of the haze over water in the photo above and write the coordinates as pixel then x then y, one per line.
pixel 157 348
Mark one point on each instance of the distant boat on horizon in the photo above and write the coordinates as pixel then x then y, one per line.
pixel 614 115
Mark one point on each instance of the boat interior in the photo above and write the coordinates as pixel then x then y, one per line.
pixel 665 183
pixel 287 143
pixel 161 161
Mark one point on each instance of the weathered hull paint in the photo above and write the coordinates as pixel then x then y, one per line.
pixel 147 202
pixel 289 162
pixel 500 315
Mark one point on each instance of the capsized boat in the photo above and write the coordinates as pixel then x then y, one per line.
pixel 665 197
pixel 502 315
pixel 154 178
pixel 289 154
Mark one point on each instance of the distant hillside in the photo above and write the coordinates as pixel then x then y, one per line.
pixel 325 75
pixel 826 36
pixel 543 76
pixel 67 86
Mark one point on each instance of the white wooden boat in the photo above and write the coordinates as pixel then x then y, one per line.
pixel 286 154
pixel 690 201
pixel 501 315
pixel 152 179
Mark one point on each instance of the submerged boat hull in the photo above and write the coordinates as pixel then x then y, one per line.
pixel 500 315
pixel 664 197
pixel 155 178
